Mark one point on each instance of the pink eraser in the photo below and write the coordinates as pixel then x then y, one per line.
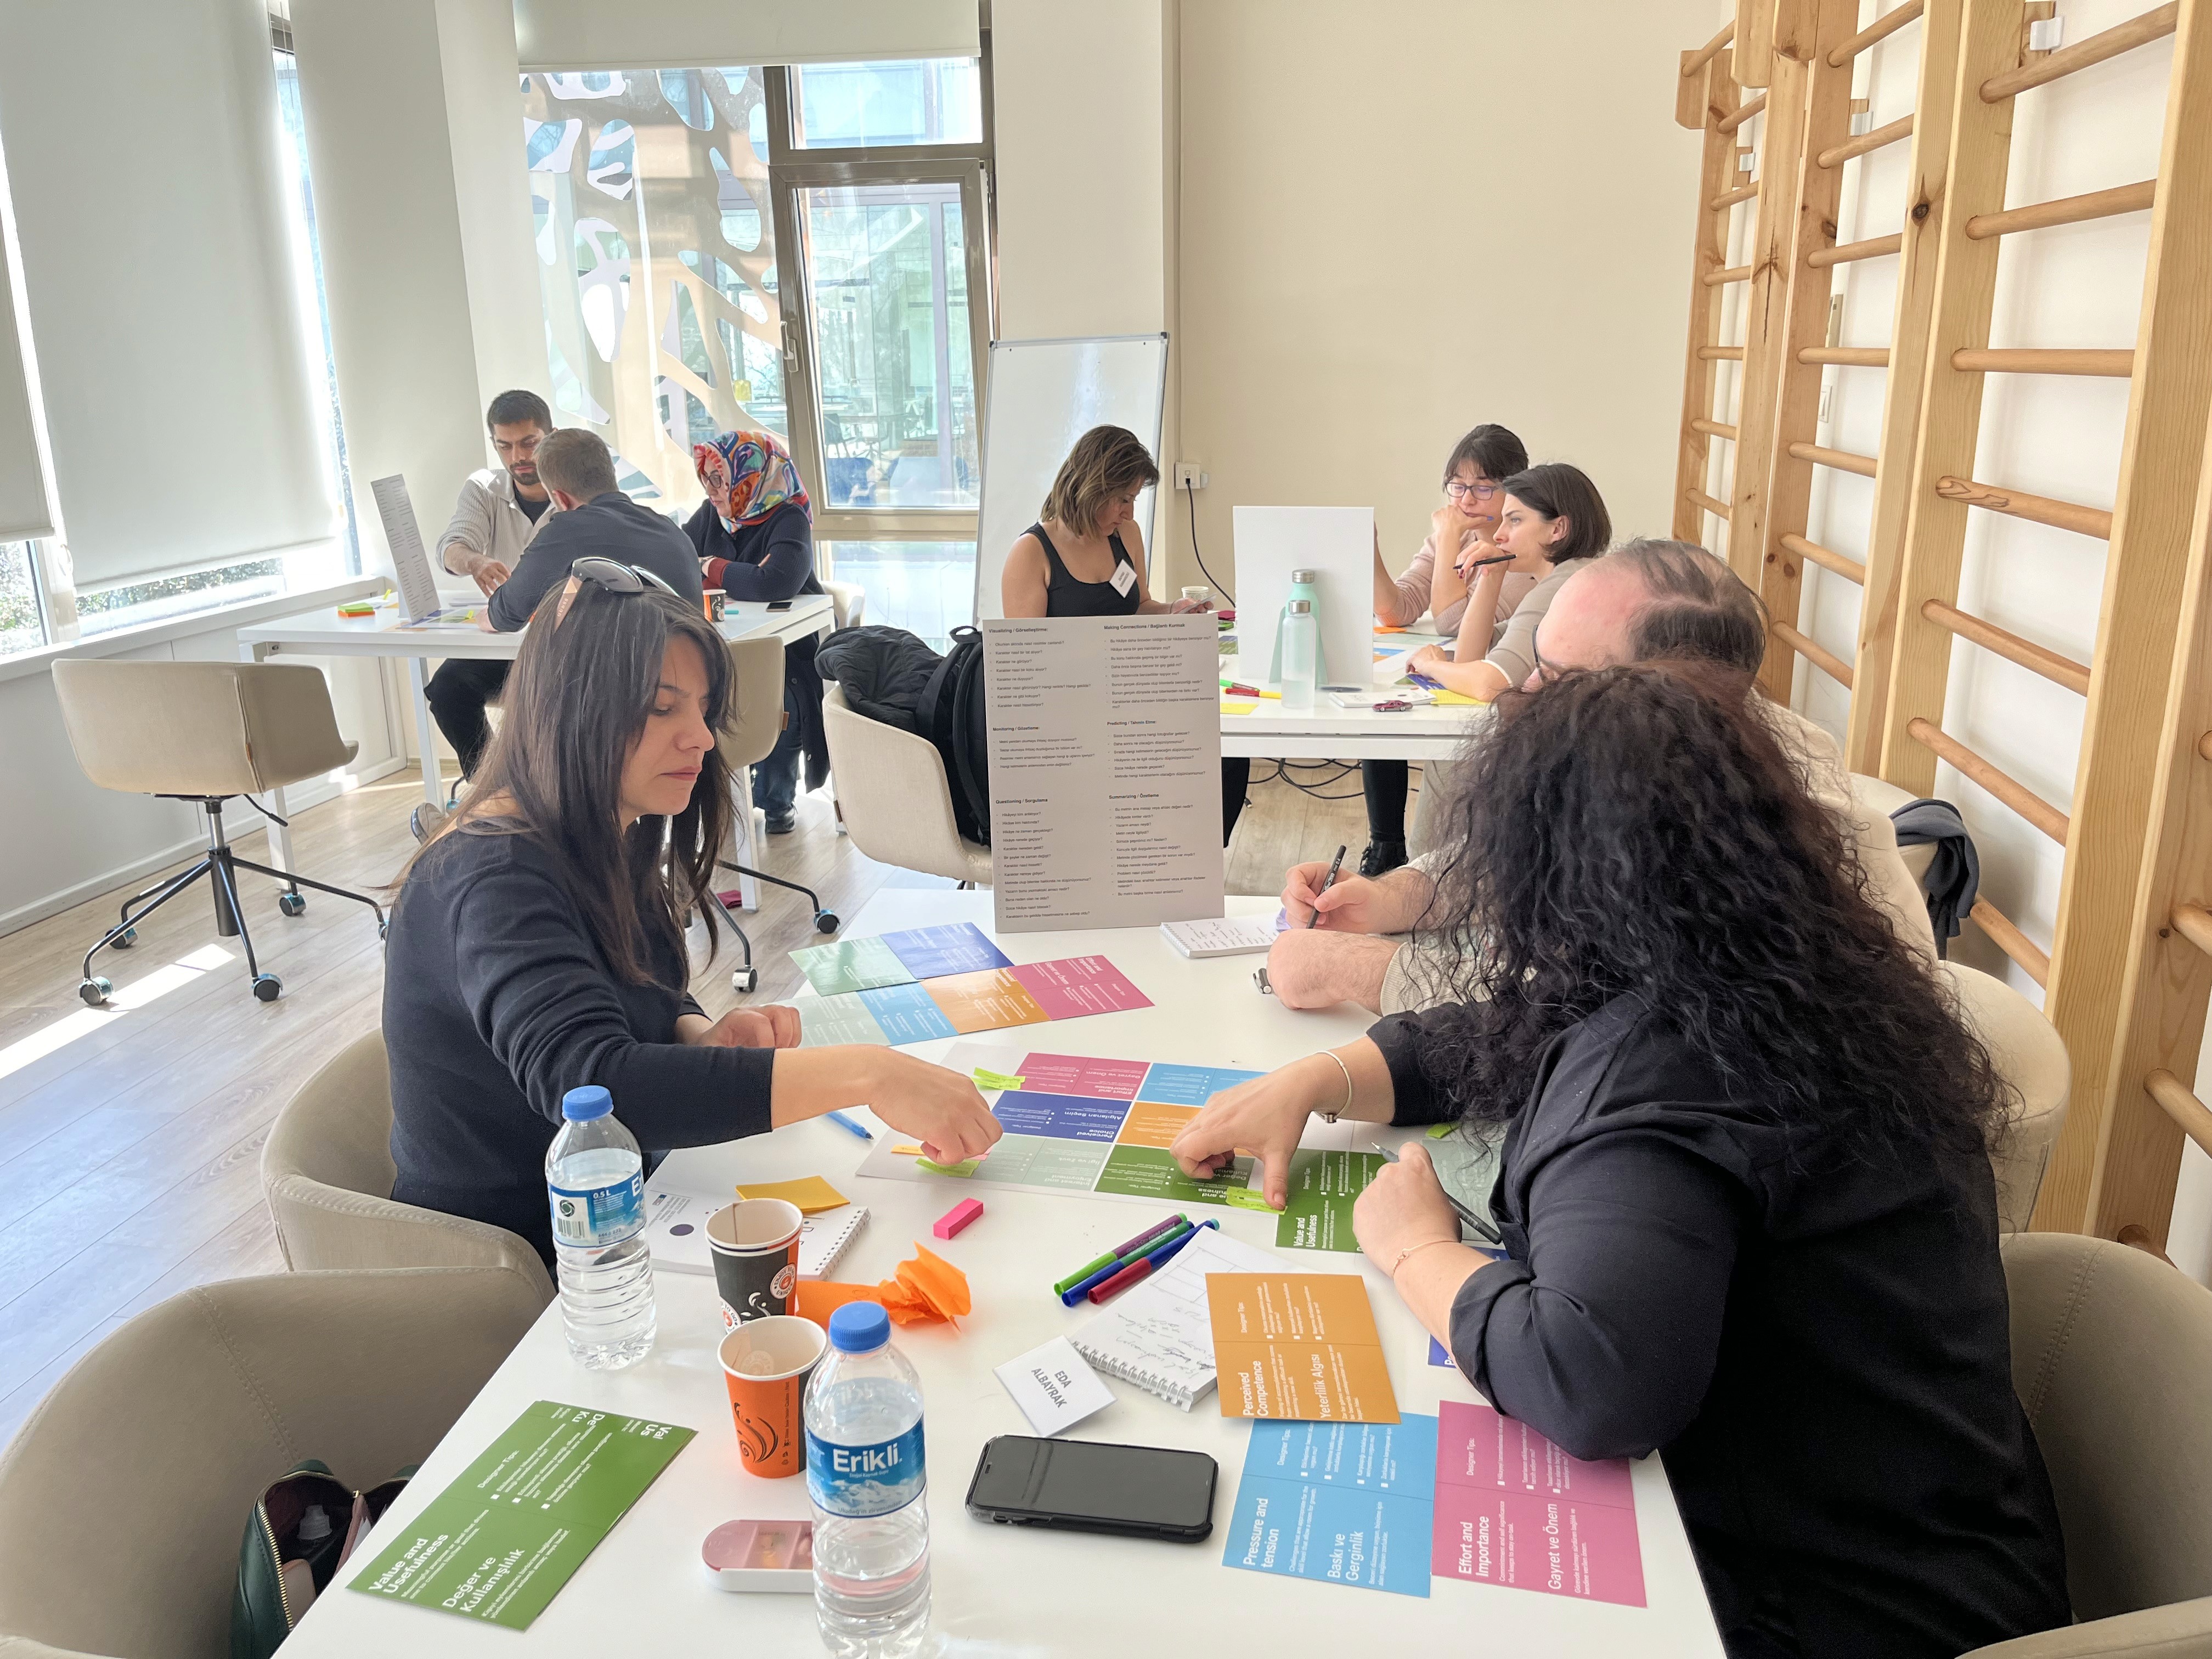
pixel 957 1216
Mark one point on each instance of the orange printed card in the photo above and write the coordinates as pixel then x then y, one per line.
pixel 989 1000
pixel 1150 1124
pixel 1301 1345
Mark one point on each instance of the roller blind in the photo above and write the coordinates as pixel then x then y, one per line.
pixel 560 35
pixel 25 509
pixel 151 208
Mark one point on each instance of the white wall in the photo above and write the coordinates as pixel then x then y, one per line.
pixel 1400 222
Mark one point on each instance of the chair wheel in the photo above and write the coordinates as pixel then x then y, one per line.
pixel 95 993
pixel 268 987
pixel 825 921
pixel 124 940
pixel 292 904
pixel 746 981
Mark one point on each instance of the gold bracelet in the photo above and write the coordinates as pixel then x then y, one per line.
pixel 1410 1249
pixel 1331 1117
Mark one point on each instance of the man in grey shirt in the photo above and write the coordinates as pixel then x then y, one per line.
pixel 497 517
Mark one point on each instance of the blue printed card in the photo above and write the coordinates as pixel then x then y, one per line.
pixel 1065 1117
pixel 1189 1085
pixel 958 948
pixel 1339 1503
pixel 907 1014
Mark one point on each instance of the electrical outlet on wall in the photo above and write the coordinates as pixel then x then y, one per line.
pixel 1188 475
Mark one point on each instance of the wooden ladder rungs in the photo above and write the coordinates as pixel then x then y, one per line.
pixel 1880 29
pixel 2009 940
pixel 2153 25
pixel 2118 364
pixel 2061 671
pixel 1873 248
pixel 2006 788
pixel 1841 459
pixel 2065 211
pixel 1900 128
pixel 1827 558
pixel 1848 357
pixel 2037 510
pixel 1813 652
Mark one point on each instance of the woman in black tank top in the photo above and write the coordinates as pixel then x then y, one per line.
pixel 1076 560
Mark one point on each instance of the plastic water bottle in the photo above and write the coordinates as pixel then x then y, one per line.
pixel 869 1483
pixel 1301 646
pixel 595 1179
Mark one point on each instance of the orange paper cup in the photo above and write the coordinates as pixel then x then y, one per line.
pixel 765 1365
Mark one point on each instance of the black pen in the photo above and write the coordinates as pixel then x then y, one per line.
pixel 1328 882
pixel 1480 1223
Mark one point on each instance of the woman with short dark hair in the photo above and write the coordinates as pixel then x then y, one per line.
pixel 537 943
pixel 1749 1219
pixel 1551 523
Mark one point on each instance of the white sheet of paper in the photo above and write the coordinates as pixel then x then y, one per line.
pixel 1054 1386
pixel 410 560
pixel 1105 771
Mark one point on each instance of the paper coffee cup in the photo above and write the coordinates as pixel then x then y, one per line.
pixel 765 1365
pixel 755 1244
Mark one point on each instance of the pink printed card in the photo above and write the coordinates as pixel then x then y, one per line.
pixel 1075 985
pixel 1513 1508
pixel 1074 1074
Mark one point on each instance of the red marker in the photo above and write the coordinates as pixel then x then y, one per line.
pixel 1121 1281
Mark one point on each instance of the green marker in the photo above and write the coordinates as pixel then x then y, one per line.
pixel 1083 1273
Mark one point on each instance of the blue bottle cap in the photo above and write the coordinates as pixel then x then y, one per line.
pixel 860 1326
pixel 582 1105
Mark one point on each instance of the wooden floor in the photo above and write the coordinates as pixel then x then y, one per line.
pixel 131 1137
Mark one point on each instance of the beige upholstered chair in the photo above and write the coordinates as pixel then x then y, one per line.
pixel 756 723
pixel 849 600
pixel 2032 1057
pixel 2111 1351
pixel 892 789
pixel 208 733
pixel 1884 799
pixel 327 1173
pixel 123 1498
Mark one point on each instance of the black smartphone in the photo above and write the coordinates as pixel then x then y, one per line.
pixel 778 605
pixel 1089 1485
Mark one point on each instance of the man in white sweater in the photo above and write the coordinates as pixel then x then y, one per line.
pixel 1645 600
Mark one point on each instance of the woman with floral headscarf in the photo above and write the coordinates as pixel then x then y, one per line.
pixel 755 534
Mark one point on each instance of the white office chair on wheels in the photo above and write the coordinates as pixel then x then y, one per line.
pixel 205 732
pixel 897 804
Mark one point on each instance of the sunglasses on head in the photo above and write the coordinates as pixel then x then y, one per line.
pixel 610 573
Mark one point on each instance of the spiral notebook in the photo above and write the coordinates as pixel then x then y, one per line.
pixel 1160 1336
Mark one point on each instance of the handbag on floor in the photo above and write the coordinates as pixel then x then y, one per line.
pixel 306 1527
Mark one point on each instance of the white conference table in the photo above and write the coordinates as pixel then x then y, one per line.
pixel 1000 1592
pixel 1328 732
pixel 322 633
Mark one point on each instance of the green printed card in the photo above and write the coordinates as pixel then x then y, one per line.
pixel 498 1543
pixel 1324 1186
pixel 1148 1172
pixel 852 964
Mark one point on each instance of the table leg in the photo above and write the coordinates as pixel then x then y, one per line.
pixel 425 734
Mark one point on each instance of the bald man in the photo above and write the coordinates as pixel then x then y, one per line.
pixel 1644 601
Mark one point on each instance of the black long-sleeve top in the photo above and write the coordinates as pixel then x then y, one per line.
pixel 772 560
pixel 496 1003
pixel 1819 1346
pixel 612 525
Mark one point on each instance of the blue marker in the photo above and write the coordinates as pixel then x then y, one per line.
pixel 852 1125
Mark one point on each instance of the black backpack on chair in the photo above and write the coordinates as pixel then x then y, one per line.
pixel 951 716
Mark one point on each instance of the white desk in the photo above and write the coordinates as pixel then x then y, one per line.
pixel 1328 732
pixel 322 633
pixel 1004 1592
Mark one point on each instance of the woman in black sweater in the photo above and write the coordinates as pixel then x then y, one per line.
pixel 1746 1195
pixel 755 536
pixel 537 943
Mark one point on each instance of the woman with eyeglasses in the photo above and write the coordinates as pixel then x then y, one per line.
pixel 537 943
pixel 755 535
pixel 1551 523
pixel 1459 534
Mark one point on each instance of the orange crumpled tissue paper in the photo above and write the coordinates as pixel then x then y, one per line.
pixel 927 1288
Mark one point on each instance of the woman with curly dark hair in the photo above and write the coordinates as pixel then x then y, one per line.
pixel 1748 1212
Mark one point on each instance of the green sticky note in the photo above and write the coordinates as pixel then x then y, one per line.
pixel 1249 1198
pixel 986 1078
pixel 1438 1131
pixel 498 1543
pixel 966 1168
pixel 1324 1186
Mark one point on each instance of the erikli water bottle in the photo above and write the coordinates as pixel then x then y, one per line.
pixel 595 1180
pixel 866 1475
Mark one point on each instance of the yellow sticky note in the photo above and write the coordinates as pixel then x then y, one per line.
pixel 812 1195
pixel 907 1151
pixel 1229 707
pixel 1444 699
pixel 986 1079
pixel 966 1168
pixel 1249 1198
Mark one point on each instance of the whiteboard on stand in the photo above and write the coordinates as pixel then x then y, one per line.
pixel 1040 396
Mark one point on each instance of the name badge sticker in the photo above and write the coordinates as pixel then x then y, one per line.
pixel 1124 578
